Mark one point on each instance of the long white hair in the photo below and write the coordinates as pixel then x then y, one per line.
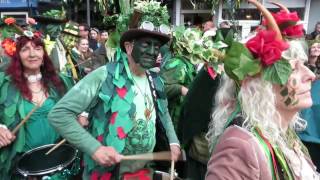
pixel 258 108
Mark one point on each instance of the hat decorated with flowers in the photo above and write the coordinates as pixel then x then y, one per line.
pixel 10 32
pixel 267 53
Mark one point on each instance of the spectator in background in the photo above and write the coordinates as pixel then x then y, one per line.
pixel 310 136
pixel 316 31
pixel 84 30
pixel 81 56
pixel 94 36
pixel 103 37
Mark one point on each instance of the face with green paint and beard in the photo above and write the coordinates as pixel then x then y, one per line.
pixel 145 51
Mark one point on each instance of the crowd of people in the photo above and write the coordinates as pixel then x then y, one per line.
pixel 235 109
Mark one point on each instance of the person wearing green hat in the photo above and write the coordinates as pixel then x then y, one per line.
pixel 127 109
pixel 252 132
pixel 61 54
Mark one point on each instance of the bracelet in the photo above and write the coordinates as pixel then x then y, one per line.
pixel 84 114
pixel 3 126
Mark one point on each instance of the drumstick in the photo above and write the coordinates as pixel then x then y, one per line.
pixel 158 156
pixel 56 146
pixel 172 170
pixel 14 131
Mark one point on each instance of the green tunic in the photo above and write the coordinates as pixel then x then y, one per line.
pixel 38 130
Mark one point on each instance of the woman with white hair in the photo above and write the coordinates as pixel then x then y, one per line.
pixel 252 132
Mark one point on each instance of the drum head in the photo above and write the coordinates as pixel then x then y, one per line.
pixel 36 162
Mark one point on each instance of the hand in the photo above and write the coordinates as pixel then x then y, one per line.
pixel 106 156
pixel 6 137
pixel 184 90
pixel 175 152
pixel 83 121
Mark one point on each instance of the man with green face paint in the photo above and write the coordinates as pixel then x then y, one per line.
pixel 127 108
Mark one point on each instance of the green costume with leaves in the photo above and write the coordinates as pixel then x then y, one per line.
pixel 36 132
pixel 177 72
pixel 107 93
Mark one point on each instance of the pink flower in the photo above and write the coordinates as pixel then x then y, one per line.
pixel 31 21
pixel 10 20
pixel 121 91
pixel 121 133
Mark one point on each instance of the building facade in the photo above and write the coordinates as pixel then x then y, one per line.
pixel 247 16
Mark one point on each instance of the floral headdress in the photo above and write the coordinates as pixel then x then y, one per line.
pixel 11 31
pixel 266 52
pixel 196 48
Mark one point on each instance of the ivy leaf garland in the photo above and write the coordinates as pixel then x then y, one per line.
pixel 278 73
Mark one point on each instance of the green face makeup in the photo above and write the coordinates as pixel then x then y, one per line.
pixel 145 52
pixel 289 93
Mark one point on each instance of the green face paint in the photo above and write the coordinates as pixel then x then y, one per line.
pixel 288 93
pixel 145 52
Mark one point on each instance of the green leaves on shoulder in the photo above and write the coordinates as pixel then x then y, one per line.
pixel 239 62
pixel 278 73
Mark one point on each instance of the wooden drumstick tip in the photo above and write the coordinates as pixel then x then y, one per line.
pixel 56 146
pixel 172 170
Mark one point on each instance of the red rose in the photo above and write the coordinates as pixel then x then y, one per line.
pixel 9 21
pixel 265 47
pixel 255 44
pixel 271 53
pixel 284 17
pixel 294 31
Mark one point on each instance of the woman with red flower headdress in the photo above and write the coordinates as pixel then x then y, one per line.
pixel 29 83
pixel 252 132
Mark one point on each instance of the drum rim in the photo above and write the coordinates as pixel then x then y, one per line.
pixel 49 170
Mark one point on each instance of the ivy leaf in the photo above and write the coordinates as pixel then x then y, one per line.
pixel 239 62
pixel 278 73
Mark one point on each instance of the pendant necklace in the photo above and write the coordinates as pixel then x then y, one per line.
pixel 149 106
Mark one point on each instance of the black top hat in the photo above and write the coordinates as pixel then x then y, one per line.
pixel 132 34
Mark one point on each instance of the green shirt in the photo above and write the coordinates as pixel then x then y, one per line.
pixel 38 130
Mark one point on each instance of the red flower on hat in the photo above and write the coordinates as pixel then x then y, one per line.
pixel 284 17
pixel 10 20
pixel 265 47
pixel 121 133
pixel 294 31
pixel 9 46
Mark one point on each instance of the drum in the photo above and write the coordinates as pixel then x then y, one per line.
pixel 35 163
pixel 160 175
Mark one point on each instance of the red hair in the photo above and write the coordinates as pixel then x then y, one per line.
pixel 49 75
